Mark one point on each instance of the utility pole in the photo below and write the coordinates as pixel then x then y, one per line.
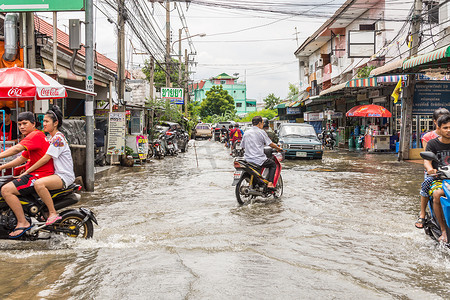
pixel 89 103
pixel 407 102
pixel 121 53
pixel 186 82
pixel 168 43
pixel 152 77
pixel 180 31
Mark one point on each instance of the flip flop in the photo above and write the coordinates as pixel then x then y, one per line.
pixel 52 220
pixel 420 221
pixel 24 229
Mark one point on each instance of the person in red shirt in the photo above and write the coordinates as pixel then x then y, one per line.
pixel 34 147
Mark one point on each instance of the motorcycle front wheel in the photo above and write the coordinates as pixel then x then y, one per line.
pixel 74 221
pixel 279 188
pixel 244 183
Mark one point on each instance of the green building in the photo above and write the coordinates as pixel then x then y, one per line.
pixel 238 90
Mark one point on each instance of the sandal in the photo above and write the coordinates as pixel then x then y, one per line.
pixel 420 223
pixel 52 220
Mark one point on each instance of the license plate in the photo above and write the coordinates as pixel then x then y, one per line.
pixel 237 174
pixel 301 154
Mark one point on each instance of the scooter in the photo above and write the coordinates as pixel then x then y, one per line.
pixel 431 225
pixel 250 179
pixel 237 151
pixel 171 140
pixel 74 222
pixel 156 148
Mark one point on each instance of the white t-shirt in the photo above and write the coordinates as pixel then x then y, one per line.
pixel 59 150
pixel 253 142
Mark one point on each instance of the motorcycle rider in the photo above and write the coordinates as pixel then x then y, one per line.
pixel 34 146
pixel 253 142
pixel 10 126
pixel 441 147
pixel 426 185
pixel 236 135
pixel 270 133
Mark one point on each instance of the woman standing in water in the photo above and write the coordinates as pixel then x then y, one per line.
pixel 59 151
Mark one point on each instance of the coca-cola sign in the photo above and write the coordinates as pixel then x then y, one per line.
pixel 15 92
pixel 51 92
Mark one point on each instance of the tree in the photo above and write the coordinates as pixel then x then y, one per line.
pixel 271 101
pixel 160 75
pixel 217 102
pixel 265 113
pixel 293 92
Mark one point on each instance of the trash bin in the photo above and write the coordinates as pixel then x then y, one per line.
pixel 351 143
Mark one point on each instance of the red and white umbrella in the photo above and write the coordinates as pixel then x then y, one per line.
pixel 25 84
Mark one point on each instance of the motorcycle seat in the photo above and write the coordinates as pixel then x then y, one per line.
pixel 69 188
pixel 254 166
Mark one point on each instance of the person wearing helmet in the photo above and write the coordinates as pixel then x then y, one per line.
pixel 272 135
pixel 236 135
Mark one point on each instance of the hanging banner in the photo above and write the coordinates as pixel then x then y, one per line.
pixel 142 146
pixel 175 95
pixel 116 133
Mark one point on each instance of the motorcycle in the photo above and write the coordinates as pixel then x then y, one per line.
pixel 171 140
pixel 431 225
pixel 99 150
pixel 74 222
pixel 250 179
pixel 328 139
pixel 237 151
pixel 156 148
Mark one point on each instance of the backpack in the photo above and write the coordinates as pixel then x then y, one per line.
pixel 237 134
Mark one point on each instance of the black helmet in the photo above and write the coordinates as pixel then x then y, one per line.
pixel 266 123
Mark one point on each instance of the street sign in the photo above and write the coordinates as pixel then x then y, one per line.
pixel 41 5
pixel 172 93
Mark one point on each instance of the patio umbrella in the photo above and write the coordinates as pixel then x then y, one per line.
pixel 25 84
pixel 370 110
pixel 352 110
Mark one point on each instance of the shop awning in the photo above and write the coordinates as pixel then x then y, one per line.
pixel 391 78
pixel 281 105
pixel 395 65
pixel 426 58
pixel 334 88
pixel 362 82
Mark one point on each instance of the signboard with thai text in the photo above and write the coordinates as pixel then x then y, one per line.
pixel 142 146
pixel 293 110
pixel 175 95
pixel 429 96
pixel 41 5
pixel 116 133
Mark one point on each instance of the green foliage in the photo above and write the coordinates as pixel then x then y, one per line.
pixel 364 72
pixel 160 75
pixel 271 100
pixel 227 116
pixel 128 151
pixel 218 102
pixel 293 92
pixel 265 113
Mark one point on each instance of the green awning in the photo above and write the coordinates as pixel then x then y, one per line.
pixel 426 58
pixel 281 105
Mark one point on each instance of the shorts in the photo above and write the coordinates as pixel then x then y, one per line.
pixel 25 184
pixel 437 185
pixel 66 180
pixel 426 185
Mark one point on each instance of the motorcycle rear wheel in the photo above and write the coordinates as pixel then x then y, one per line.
pixel 243 183
pixel 74 221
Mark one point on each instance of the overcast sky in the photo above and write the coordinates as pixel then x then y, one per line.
pixel 258 45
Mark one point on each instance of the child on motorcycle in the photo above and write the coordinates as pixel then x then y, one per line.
pixel 62 160
pixel 426 184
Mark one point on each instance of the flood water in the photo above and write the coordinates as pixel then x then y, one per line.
pixel 343 229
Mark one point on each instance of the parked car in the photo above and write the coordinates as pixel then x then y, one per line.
pixel 181 135
pixel 219 126
pixel 202 131
pixel 300 140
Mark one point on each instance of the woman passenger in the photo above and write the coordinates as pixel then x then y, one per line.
pixel 62 160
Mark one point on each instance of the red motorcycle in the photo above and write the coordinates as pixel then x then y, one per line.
pixel 250 179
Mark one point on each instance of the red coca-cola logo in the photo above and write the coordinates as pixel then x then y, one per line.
pixel 50 92
pixel 15 92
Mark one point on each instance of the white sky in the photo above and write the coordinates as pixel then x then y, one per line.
pixel 263 56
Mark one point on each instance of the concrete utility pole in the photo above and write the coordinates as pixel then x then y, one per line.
pixel 167 43
pixel 186 82
pixel 31 44
pixel 180 31
pixel 121 53
pixel 407 102
pixel 89 104
pixel 55 43
pixel 152 77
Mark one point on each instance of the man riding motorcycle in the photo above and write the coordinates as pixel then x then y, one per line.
pixel 270 133
pixel 253 142
pixel 236 135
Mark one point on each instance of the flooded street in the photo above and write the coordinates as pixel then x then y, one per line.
pixel 344 229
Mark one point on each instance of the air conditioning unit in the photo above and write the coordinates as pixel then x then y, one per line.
pixel 334 60
pixel 320 63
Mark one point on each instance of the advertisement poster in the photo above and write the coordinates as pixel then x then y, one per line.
pixel 429 96
pixel 142 146
pixel 116 133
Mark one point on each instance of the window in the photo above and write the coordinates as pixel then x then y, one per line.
pixel 238 104
pixel 433 11
pixel 234 92
pixel 243 92
pixel 250 104
pixel 223 82
pixel 370 27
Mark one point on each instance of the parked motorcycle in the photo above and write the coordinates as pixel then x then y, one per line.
pixel 74 222
pixel 431 225
pixel 237 151
pixel 250 179
pixel 157 148
pixel 328 138
pixel 99 147
pixel 172 146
